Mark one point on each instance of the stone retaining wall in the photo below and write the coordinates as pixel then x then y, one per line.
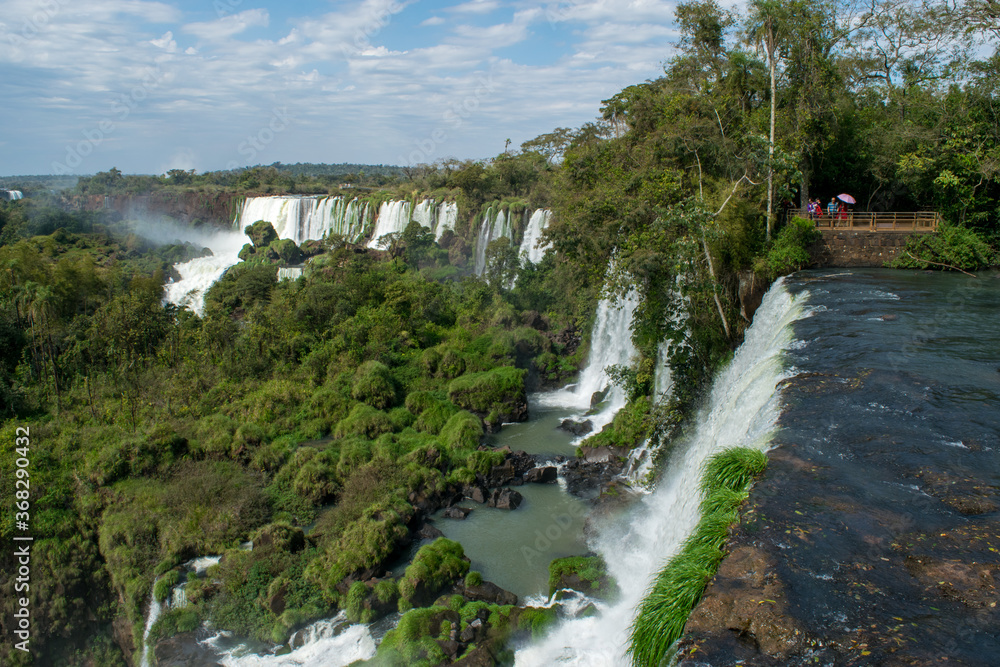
pixel 852 249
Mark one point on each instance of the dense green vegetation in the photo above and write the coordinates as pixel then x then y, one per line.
pixel 679 585
pixel 316 416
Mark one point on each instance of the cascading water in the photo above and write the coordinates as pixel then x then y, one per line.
pixel 663 381
pixel 530 249
pixel 197 275
pixel 493 227
pixel 610 345
pixel 296 218
pixel 393 216
pixel 154 613
pixel 742 411
pixel 424 214
pixel 289 273
pixel 331 642
pixel 307 218
pixel 447 216
pixel 11 195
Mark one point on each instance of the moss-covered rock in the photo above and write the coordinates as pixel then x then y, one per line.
pixel 261 233
pixel 497 395
pixel 436 565
pixel 373 385
pixel 286 251
pixel 587 574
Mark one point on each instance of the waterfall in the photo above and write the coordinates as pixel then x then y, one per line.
pixel 610 345
pixel 197 275
pixel 663 381
pixel 424 214
pixel 302 218
pixel 393 216
pixel 178 597
pixel 11 195
pixel 530 250
pixel 447 216
pixel 742 411
pixel 154 613
pixel 289 273
pixel 331 642
pixel 491 229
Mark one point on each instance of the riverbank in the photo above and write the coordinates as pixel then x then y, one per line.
pixel 874 536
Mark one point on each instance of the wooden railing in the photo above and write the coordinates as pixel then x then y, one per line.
pixel 917 221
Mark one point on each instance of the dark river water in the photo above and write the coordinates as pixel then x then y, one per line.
pixel 880 511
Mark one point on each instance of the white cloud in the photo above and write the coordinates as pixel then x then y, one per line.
pixel 166 42
pixel 434 20
pixel 475 7
pixel 229 26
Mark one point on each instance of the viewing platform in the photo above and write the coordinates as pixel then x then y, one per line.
pixel 916 221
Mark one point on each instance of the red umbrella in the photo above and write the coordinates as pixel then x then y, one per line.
pixel 847 199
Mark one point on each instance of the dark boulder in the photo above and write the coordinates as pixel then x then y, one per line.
pixel 577 428
pixel 545 475
pixel 456 513
pixel 504 499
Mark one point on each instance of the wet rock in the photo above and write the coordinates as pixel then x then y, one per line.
pixel 429 532
pixel 474 492
pixel 504 499
pixel 751 293
pixel 577 428
pixel 586 479
pixel 450 647
pixel 511 471
pixel 479 657
pixel 598 397
pixel 184 650
pixel 487 592
pixel 545 475
pixel 456 513
pixel 473 632
pixel 747 596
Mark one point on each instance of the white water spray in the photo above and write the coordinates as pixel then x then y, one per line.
pixel 198 275
pixel 331 642
pixel 308 218
pixel 610 345
pixel 493 227
pixel 530 249
pixel 393 217
pixel 154 613
pixel 446 218
pixel 742 411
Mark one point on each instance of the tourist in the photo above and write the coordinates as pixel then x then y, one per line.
pixel 831 208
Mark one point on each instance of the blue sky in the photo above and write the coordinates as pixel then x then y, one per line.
pixel 211 84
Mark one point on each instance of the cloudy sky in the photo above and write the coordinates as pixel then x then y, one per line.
pixel 212 84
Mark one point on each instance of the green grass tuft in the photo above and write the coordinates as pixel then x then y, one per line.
pixel 679 585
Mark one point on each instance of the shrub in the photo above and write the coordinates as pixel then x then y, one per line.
pixel 165 584
pixel 363 420
pixel 462 431
pixel 373 385
pixel 434 418
pixel 790 251
pixel 474 578
pixel 499 390
pixel 261 233
pixel 951 247
pixel 436 565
